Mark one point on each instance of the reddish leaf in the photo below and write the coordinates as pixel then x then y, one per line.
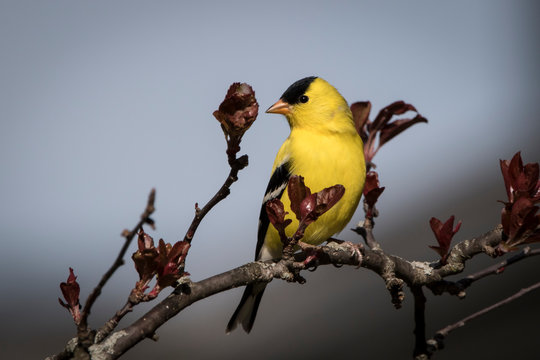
pixel 523 218
pixel 360 111
pixel 372 182
pixel 519 216
pixel 520 180
pixel 276 212
pixel 308 207
pixel 315 205
pixel 386 113
pixel 165 262
pixel 370 150
pixel 71 290
pixel 171 260
pixel 328 197
pixel 145 258
pixel 372 191
pixel 444 234
pixel 297 191
pixel 381 127
pixel 515 168
pixel 527 181
pixel 144 241
pixel 373 196
pixel 395 128
pixel 178 250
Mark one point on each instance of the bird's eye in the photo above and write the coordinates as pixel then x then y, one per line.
pixel 304 99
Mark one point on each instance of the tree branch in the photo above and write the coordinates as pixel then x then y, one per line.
pixel 458 287
pixel 83 333
pixel 111 324
pixel 121 341
pixel 499 267
pixel 414 274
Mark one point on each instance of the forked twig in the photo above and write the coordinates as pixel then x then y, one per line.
pixel 83 332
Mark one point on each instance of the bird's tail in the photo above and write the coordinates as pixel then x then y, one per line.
pixel 246 311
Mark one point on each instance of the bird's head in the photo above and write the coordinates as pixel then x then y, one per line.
pixel 313 102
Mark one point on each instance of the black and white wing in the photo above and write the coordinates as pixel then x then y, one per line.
pixel 274 190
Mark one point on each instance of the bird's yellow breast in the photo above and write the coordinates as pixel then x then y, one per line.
pixel 324 159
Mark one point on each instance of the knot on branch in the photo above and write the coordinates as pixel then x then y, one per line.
pixel 490 251
pixel 289 270
pixel 241 162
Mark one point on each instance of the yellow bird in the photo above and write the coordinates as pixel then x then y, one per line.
pixel 326 150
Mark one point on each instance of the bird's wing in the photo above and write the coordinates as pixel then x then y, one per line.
pixel 274 190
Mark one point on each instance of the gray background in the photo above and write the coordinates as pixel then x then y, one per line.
pixel 101 101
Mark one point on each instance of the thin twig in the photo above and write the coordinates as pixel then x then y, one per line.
pixel 222 193
pixel 445 331
pixel 111 324
pixel 458 287
pixel 499 267
pixel 438 340
pixel 365 228
pixel 83 332
pixel 370 238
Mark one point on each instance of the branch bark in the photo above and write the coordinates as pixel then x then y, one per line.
pixel 414 274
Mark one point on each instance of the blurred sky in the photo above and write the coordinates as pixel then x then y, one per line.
pixel 100 101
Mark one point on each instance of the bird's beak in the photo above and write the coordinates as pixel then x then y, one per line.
pixel 281 107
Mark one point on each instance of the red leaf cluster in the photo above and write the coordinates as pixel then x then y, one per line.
pixel 371 191
pixel 166 262
pixel 170 261
pixel 444 234
pixel 381 126
pixel 145 258
pixel 236 114
pixel 276 215
pixel 306 206
pixel 309 207
pixel 520 218
pixel 71 290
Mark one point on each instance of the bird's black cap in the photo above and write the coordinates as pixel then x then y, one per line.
pixel 297 89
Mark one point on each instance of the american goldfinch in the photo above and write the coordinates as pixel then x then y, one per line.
pixel 323 147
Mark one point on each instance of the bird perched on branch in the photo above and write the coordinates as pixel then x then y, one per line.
pixel 323 147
